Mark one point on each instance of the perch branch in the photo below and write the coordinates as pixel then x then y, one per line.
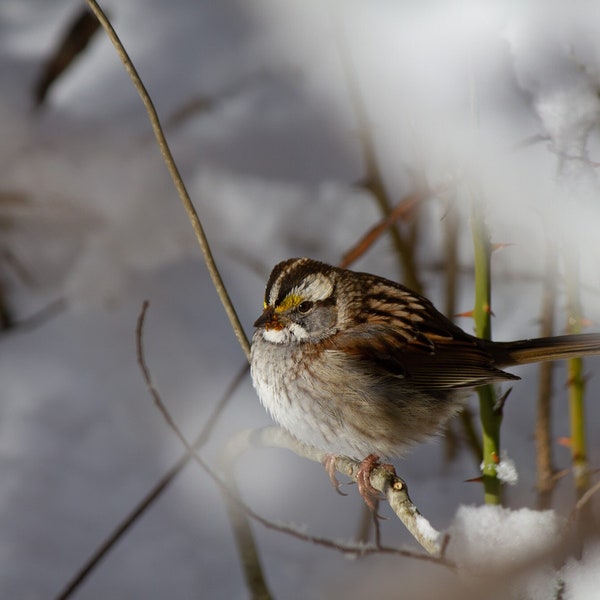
pixel 392 487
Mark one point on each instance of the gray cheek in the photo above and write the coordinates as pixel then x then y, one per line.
pixel 321 320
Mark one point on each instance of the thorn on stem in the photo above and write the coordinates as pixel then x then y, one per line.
pixel 501 401
pixel 500 246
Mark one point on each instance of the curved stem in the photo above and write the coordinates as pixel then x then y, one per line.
pixel 175 176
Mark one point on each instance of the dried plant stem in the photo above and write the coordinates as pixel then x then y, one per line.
pixel 255 576
pixel 491 418
pixel 451 258
pixel 176 177
pixel 546 481
pixel 238 517
pixel 576 381
pixel 148 500
pixel 373 178
pixel 407 205
pixel 245 545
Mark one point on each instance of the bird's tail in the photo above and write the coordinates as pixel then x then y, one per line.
pixel 521 352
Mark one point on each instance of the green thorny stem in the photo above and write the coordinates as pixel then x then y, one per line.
pixel 576 381
pixel 491 418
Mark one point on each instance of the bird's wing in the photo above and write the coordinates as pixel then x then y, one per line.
pixel 434 358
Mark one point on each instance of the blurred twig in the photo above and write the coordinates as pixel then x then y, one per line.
pixel 37 319
pixel 576 381
pixel 253 577
pixel 373 178
pixel 238 518
pixel 451 273
pixel 546 481
pixel 148 500
pixel 382 479
pixel 401 211
pixel 71 45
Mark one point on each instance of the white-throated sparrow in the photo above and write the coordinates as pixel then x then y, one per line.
pixel 357 365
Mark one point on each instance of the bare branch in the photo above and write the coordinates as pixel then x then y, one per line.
pixel 153 494
pixel 546 481
pixel 238 511
pixel 176 177
pixel 392 487
pixel 404 208
pixel 74 41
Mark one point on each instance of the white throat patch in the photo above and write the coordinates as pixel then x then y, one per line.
pixel 292 333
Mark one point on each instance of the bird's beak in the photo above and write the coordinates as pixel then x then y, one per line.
pixel 269 319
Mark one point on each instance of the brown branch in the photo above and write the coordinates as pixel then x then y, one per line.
pixel 401 211
pixel 237 510
pixel 37 319
pixel 72 44
pixel 153 494
pixel 546 481
pixel 392 487
pixel 373 179
pixel 176 177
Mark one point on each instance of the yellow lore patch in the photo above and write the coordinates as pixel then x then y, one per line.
pixel 290 301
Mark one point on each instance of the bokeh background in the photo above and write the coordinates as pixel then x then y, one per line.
pixel 269 108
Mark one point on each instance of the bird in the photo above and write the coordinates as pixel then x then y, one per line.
pixel 360 366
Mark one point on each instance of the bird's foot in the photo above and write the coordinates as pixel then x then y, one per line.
pixel 369 494
pixel 329 464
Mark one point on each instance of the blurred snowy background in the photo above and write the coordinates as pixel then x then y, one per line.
pixel 499 96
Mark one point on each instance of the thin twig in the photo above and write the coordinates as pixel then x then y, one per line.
pixel 576 381
pixel 400 211
pixel 383 479
pixel 581 523
pixel 237 510
pixel 451 273
pixel 143 505
pixel 176 177
pixel 582 502
pixel 38 318
pixel 73 42
pixel 373 180
pixel 546 481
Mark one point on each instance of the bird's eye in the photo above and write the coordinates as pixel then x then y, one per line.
pixel 305 307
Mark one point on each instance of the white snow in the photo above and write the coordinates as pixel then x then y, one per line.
pixel 506 470
pixel 426 529
pixel 483 538
pixel 581 576
pixel 88 214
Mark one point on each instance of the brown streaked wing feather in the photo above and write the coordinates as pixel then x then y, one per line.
pixel 450 359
